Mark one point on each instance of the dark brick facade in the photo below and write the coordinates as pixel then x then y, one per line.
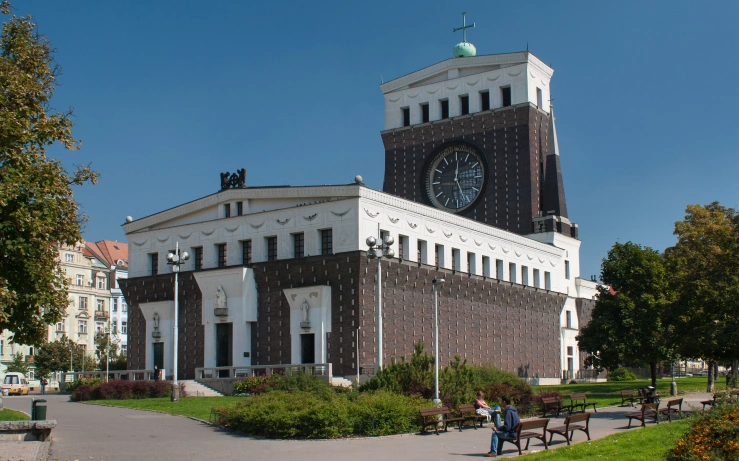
pixel 485 321
pixel 513 140
pixel 584 308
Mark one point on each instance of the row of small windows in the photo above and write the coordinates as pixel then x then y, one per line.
pixel 80 281
pixel 271 244
pixel 227 209
pixel 464 104
pixel 61 327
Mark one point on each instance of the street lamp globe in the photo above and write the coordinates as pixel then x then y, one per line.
pixel 170 257
pixel 371 241
pixel 185 255
pixel 389 253
pixel 389 240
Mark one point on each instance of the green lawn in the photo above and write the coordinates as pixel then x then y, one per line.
pixel 607 394
pixel 197 407
pixel 649 443
pixel 12 415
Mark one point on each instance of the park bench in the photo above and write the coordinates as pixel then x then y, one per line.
pixel 648 410
pixel 630 396
pixel 581 400
pixel 430 417
pixel 720 395
pixel 553 404
pixel 524 432
pixel 670 408
pixel 568 430
pixel 469 413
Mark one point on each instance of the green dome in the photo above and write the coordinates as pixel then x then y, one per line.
pixel 464 50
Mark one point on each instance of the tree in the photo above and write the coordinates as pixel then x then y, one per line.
pixel 627 322
pixel 37 207
pixel 56 355
pixel 18 364
pixel 102 340
pixel 705 267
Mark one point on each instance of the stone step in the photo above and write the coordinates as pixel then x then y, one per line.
pixel 196 389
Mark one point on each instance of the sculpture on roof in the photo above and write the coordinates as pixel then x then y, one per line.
pixel 233 181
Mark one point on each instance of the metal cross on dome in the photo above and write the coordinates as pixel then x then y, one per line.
pixel 464 27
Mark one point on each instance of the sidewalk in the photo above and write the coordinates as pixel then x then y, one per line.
pixel 104 433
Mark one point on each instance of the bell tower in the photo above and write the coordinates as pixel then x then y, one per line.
pixel 475 135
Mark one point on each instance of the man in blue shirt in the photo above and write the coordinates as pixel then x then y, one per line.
pixel 505 431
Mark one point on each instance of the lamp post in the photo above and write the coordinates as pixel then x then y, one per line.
pixel 378 250
pixel 437 283
pixel 357 339
pixel 175 260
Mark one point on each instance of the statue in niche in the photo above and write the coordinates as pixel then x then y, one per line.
pixel 305 307
pixel 221 301
pixel 156 321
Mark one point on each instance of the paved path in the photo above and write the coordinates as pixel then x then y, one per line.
pixel 88 432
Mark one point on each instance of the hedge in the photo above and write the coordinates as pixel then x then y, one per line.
pixel 123 390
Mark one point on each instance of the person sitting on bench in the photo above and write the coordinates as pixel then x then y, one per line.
pixel 651 395
pixel 482 408
pixel 506 431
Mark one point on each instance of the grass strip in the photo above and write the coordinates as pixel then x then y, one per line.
pixel 12 415
pixel 648 443
pixel 196 407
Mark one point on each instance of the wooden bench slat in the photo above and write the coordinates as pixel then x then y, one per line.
pixel 525 426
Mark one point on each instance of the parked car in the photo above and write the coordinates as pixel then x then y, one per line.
pixel 15 384
pixel 702 373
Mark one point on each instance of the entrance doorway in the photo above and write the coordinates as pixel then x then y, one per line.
pixel 308 348
pixel 158 349
pixel 224 349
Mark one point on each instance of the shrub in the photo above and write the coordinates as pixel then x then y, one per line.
pixel 713 435
pixel 621 374
pixel 91 381
pixel 122 390
pixel 255 385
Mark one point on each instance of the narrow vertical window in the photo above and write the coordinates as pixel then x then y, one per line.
pixel 499 269
pixel 567 270
pixel 464 102
pixel 547 281
pixel 221 251
pixel 512 272
pixel 505 94
pixel 568 317
pixel 539 98
pixel 406 116
pixel 153 264
pixel 439 255
pixel 471 263
pixel 525 275
pixel 298 245
pixel 239 208
pixel 425 113
pixel 444 108
pixel 455 259
pixel 421 251
pixel 271 248
pixel 404 247
pixel 486 270
pixel 227 210
pixel 198 255
pixel 484 100
pixel 246 252
pixel 537 281
pixel 327 242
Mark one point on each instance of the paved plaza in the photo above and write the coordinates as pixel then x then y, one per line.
pixel 89 432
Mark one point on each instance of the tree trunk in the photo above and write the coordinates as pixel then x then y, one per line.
pixel 710 376
pixel 734 373
pixel 653 372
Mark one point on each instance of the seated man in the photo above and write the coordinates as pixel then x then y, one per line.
pixel 505 431
pixel 651 395
pixel 482 408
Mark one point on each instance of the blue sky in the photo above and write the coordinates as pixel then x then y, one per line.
pixel 168 94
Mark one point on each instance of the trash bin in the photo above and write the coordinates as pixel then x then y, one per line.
pixel 38 412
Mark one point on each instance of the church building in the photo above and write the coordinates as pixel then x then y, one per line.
pixel 473 193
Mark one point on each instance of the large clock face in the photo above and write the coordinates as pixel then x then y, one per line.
pixel 455 178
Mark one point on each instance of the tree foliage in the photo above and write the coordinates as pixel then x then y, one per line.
pixel 117 361
pixel 37 207
pixel 627 325
pixel 56 355
pixel 705 267
pixel 18 364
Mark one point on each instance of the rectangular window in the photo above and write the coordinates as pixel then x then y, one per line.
pixel 444 108
pixel 505 94
pixel 61 326
pixel 82 326
pixel 471 263
pixel 464 102
pixel 439 256
pixel 99 327
pixel 69 257
pixel 512 272
pixel 568 317
pixel 403 252
pixel 298 245
pixel 83 302
pixel 327 242
pixel 547 281
pixel 101 304
pixel 198 256
pixel 124 327
pixel 484 100
pixel 154 263
pixel 271 248
pixel 486 270
pixel 423 252
pixel 567 270
pixel 80 280
pixel 537 279
pixel 406 116
pixel 101 283
pixel 221 254
pixel 539 98
pixel 499 269
pixel 569 350
pixel 227 210
pixel 115 304
pixel 525 275
pixel 246 252
pixel 425 113
pixel 239 208
pixel 124 306
pixel 455 259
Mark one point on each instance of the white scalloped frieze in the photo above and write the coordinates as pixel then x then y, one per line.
pixel 340 214
pixel 394 100
pixel 492 247
pixel 493 78
pixel 140 243
pixel 393 220
pixel 163 239
pixel 464 239
pixel 234 229
pixel 371 214
pixel 429 230
pixel 257 226
pixel 517 253
pixel 450 87
pixel 505 250
pixel 432 90
pixel 530 257
pixel 413 96
pixel 516 74
pixel 445 234
pixel 541 260
pixel 207 233
pixel 476 242
pixel 473 83
pixel 412 225
pixel 184 237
